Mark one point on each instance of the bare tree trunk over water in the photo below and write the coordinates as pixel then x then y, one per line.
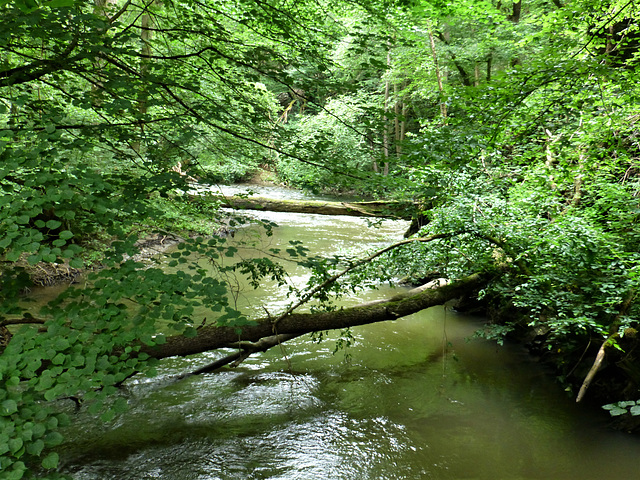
pixel 213 337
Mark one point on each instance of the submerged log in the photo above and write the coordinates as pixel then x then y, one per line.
pixel 381 209
pixel 212 337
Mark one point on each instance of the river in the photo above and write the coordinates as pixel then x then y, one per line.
pixel 415 399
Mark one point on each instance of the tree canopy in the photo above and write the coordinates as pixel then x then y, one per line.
pixel 511 129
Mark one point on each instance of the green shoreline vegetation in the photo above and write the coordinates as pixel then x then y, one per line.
pixel 511 129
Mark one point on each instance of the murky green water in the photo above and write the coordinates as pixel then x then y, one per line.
pixel 415 401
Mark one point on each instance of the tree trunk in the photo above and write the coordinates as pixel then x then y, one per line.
pixel 385 136
pixel 213 337
pixel 101 8
pixel 380 209
pixel 146 24
pixel 515 12
pixel 443 106
pixel 403 123
pixel 396 118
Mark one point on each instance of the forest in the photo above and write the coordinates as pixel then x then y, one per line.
pixel 509 131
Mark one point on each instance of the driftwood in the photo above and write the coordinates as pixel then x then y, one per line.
pixel 212 337
pixel 381 209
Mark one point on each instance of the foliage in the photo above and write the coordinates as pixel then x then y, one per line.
pixel 98 102
pixel 531 172
pixel 336 134
pixel 622 408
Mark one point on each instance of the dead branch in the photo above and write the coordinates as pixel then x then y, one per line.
pixel 609 341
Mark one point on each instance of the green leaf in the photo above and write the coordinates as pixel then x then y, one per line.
pixel 4 443
pixel 44 383
pixel 59 359
pixel 53 439
pixel 108 416
pixel 190 332
pixel 50 395
pixel 15 444
pixel 35 448
pixel 617 411
pixel 51 461
pixel 33 259
pixel 8 407
pixel 53 224
pixel 65 235
pixel 49 257
pixel 121 405
pixel 17 472
pixel 76 262
pixel 13 256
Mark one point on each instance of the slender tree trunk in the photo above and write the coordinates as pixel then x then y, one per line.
pixel 443 106
pixel 396 120
pixel 386 133
pixel 515 19
pixel 146 35
pixel 403 124
pixel 515 12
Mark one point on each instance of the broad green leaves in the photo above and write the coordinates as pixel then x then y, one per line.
pixel 622 408
pixel 534 169
pixel 28 6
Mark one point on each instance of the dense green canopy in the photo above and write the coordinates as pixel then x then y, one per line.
pixel 513 126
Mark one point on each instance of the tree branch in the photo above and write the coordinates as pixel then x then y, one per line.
pixel 22 321
pixel 309 295
pixel 246 349
pixel 609 341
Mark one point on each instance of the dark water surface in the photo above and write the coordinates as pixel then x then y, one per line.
pixel 416 400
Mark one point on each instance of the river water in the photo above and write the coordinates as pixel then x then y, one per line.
pixel 415 399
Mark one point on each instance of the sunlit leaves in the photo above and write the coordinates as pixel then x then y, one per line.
pixel 622 408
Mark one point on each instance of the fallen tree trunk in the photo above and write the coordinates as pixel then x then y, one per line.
pixel 379 209
pixel 213 337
